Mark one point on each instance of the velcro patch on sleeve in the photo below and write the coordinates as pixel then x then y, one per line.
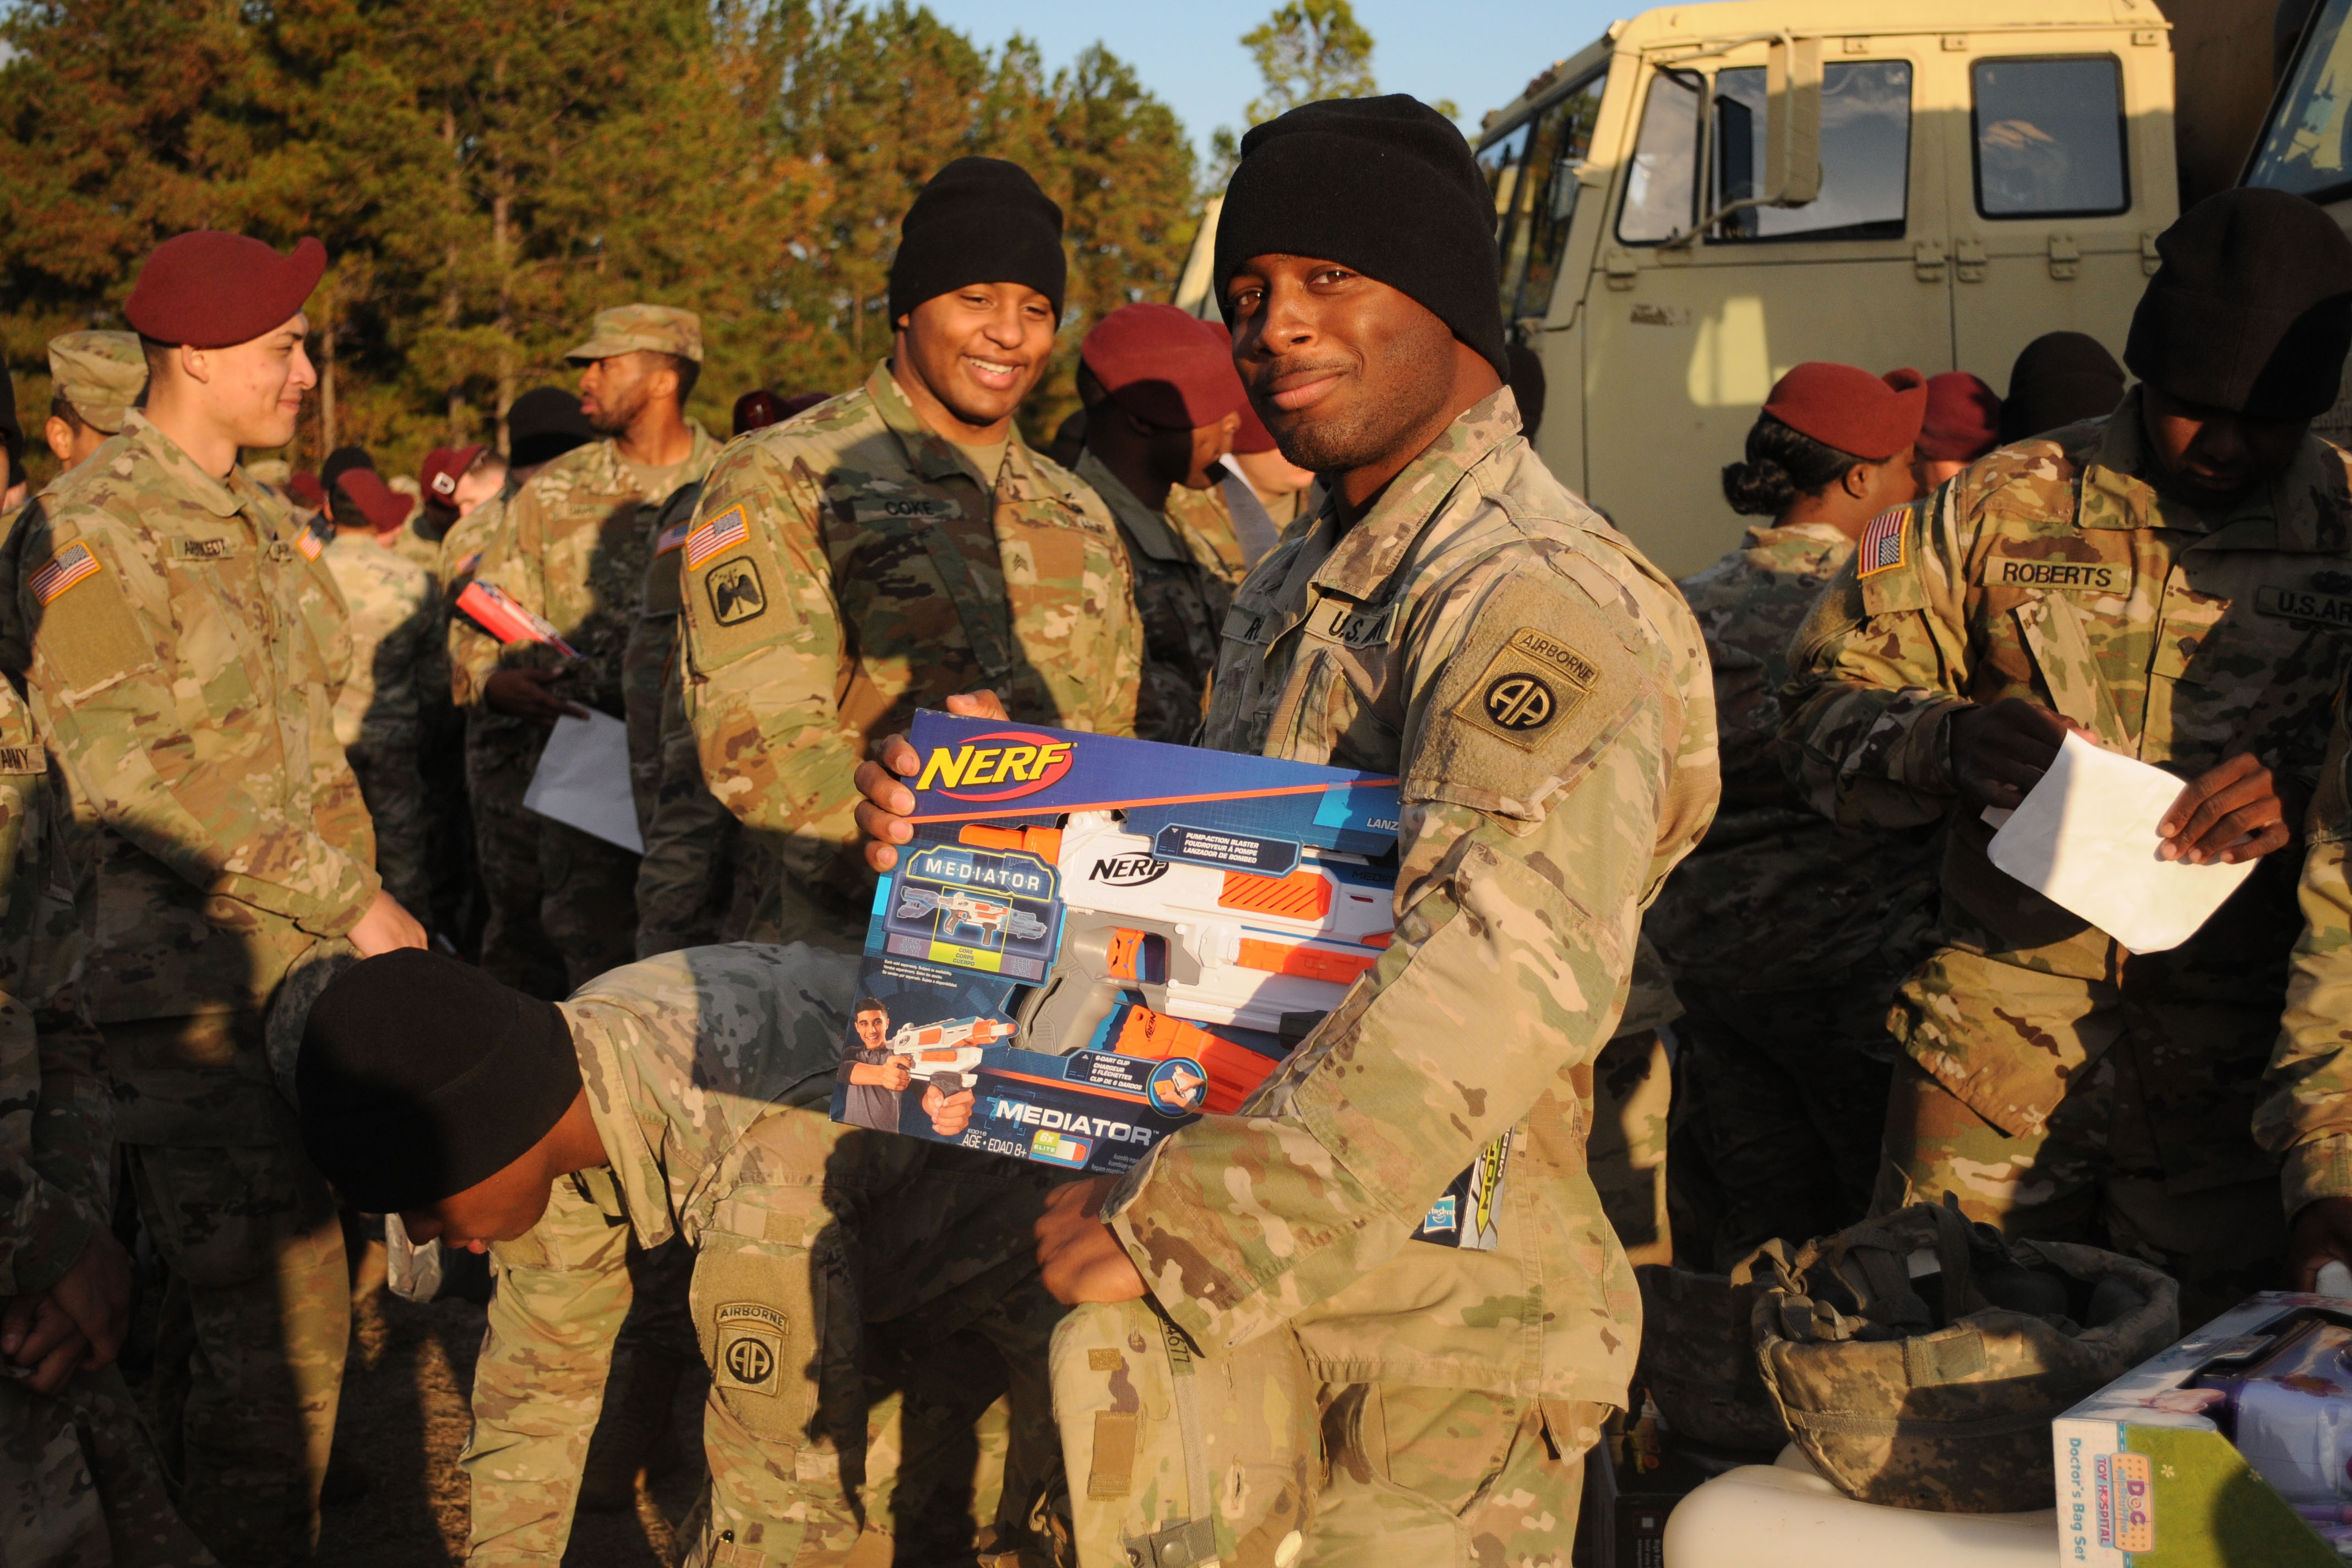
pixel 1517 710
pixel 724 532
pixel 1885 543
pixel 90 637
pixel 309 543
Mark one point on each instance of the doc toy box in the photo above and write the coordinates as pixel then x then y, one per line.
pixel 1092 942
pixel 2233 1447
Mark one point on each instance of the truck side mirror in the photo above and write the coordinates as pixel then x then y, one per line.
pixel 1792 122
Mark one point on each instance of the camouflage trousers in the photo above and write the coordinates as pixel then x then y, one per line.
pixel 2090 1175
pixel 500 755
pixel 1176 1458
pixel 1633 1090
pixel 1785 1097
pixel 79 1485
pixel 819 1426
pixel 588 901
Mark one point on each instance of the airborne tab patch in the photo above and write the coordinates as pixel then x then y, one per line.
pixel 749 1350
pixel 1533 681
pixel 1884 543
pixel 727 528
pixel 70 566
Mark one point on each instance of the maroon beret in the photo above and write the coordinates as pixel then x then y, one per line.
pixel 385 508
pixel 1963 420
pixel 305 488
pixel 1253 437
pixel 1871 416
pixel 1164 365
pixel 444 467
pixel 209 290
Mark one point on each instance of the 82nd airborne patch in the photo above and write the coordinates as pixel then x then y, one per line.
pixel 1534 680
pixel 748 1352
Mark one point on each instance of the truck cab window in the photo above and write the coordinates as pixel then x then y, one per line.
pixel 2308 148
pixel 2049 137
pixel 1660 192
pixel 1865 155
pixel 1533 173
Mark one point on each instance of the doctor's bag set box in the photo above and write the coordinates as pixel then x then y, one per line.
pixel 1091 942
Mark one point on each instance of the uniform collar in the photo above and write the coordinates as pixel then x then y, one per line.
pixel 1151 529
pixel 2304 510
pixel 1772 535
pixel 1365 557
pixel 931 455
pixel 222 498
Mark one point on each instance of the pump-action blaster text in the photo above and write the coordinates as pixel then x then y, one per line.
pixel 993 917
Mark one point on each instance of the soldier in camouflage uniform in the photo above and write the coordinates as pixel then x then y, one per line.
pixel 1161 402
pixel 572 546
pixel 1355 1251
pixel 689 1101
pixel 378 719
pixel 78 1478
pixel 2172 583
pixel 186 649
pixel 95 378
pixel 898 545
pixel 1786 935
pixel 500 750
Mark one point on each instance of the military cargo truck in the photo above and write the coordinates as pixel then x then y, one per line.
pixel 2307 143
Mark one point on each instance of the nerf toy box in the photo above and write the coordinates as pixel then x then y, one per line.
pixel 1092 942
pixel 2233 1447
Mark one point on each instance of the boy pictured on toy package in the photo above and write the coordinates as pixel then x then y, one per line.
pixel 1092 942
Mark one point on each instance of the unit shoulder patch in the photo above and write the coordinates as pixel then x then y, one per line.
pixel 1533 682
pixel 749 1351
pixel 736 592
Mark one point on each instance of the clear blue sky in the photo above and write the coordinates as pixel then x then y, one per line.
pixel 1479 53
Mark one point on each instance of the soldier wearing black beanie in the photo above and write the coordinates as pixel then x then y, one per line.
pixel 1386 185
pixel 980 220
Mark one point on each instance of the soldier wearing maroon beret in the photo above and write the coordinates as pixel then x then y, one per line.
pixel 186 649
pixel 1163 403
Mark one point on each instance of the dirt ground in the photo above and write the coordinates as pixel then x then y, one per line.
pixel 403 1421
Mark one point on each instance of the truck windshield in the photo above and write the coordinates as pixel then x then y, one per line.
pixel 1659 192
pixel 1865 155
pixel 2308 147
pixel 1532 173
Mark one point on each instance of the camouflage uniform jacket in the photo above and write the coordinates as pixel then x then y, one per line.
pixel 1540 690
pixel 573 547
pixel 847 567
pixel 187 647
pixel 1206 523
pixel 57 1120
pixel 391 603
pixel 709 1072
pixel 2057 571
pixel 1775 896
pixel 1181 597
pixel 2306 1116
pixel 460 557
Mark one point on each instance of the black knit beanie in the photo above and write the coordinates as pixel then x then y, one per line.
pixel 2252 310
pixel 2059 379
pixel 542 425
pixel 420 1076
pixel 1386 185
pixel 980 220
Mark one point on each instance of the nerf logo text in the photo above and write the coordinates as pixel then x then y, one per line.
pixel 1127 870
pixel 1003 765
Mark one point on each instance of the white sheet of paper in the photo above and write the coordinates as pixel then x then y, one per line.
pixel 2085 837
pixel 583 780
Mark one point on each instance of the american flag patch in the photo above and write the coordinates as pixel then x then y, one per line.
pixel 1883 542
pixel 70 566
pixel 670 538
pixel 727 528
pixel 308 544
pixel 470 563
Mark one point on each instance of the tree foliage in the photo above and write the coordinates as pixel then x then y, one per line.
pixel 488 174
pixel 1308 49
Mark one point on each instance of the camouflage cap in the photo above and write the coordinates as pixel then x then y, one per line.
pixel 658 328
pixel 100 374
